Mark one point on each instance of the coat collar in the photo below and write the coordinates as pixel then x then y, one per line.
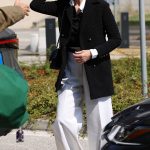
pixel 69 10
pixel 82 5
pixel 93 1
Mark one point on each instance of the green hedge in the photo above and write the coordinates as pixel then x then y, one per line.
pixel 127 83
pixel 137 23
pixel 43 99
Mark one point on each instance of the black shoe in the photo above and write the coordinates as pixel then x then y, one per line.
pixel 20 136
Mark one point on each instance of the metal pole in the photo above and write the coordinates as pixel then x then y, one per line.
pixel 114 3
pixel 143 49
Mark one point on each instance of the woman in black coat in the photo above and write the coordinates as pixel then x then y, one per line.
pixel 85 71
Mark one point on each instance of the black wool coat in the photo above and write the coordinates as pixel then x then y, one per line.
pixel 97 22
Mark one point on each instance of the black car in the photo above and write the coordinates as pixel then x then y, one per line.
pixel 129 129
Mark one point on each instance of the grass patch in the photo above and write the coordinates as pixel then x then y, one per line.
pixel 134 20
pixel 127 83
pixel 136 17
pixel 42 96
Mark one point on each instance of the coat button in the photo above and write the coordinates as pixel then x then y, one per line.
pixel 90 39
pixel 62 35
pixel 94 66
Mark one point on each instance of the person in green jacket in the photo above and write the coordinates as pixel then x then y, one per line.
pixel 9 15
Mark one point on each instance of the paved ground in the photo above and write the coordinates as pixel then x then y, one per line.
pixel 33 140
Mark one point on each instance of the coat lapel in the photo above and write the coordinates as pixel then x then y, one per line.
pixel 69 13
pixel 88 9
pixel 69 10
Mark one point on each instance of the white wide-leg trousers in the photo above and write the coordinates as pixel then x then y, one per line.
pixel 69 110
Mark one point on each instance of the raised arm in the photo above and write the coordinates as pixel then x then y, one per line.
pixel 41 6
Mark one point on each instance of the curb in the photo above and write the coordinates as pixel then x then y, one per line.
pixel 38 124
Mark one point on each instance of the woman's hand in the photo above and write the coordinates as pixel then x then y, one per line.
pixel 82 56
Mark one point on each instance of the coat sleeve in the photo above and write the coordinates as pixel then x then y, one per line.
pixel 10 15
pixel 41 6
pixel 111 30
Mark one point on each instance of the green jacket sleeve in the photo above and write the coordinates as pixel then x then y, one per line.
pixel 10 15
